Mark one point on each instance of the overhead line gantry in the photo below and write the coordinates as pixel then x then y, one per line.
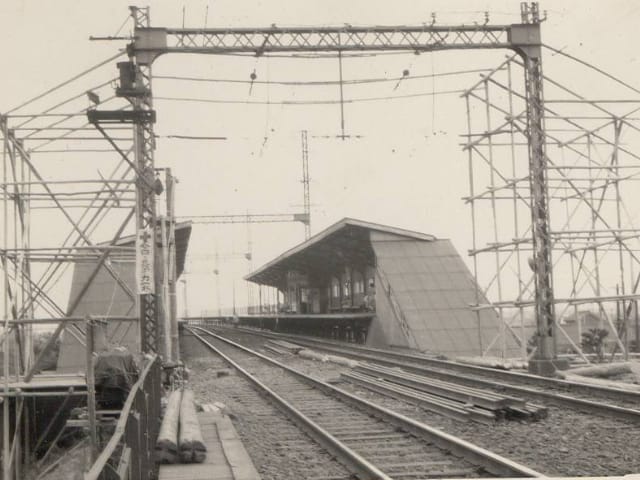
pixel 524 38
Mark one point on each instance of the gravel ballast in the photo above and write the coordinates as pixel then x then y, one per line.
pixel 566 443
pixel 278 448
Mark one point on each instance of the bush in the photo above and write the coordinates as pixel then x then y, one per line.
pixel 532 343
pixel 593 342
pixel 50 360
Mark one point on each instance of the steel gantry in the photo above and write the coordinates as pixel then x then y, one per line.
pixel 524 38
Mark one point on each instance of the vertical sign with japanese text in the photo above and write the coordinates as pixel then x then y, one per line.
pixel 144 262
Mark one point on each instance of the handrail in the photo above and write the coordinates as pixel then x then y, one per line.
pixel 100 463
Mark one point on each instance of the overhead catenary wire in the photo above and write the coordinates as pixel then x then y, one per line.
pixel 319 82
pixel 307 102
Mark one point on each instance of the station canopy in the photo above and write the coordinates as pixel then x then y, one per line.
pixel 345 242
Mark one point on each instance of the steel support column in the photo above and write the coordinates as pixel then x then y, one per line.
pixel 144 145
pixel 542 261
pixel 545 359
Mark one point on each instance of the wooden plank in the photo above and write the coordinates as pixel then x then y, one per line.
pixel 239 460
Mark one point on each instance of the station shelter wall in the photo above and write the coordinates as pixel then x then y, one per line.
pixel 103 297
pixel 434 289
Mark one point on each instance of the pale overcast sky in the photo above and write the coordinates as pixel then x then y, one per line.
pixel 405 168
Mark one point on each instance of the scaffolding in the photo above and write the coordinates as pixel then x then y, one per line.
pixel 550 185
pixel 591 173
pixel 54 218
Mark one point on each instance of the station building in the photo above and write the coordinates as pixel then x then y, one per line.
pixel 381 286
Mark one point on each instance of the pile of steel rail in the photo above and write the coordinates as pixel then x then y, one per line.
pixel 446 398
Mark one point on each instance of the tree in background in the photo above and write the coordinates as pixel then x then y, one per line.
pixel 593 342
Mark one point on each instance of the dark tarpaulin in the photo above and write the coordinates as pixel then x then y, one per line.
pixel 115 372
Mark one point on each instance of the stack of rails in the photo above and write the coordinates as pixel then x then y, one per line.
pixel 450 399
pixel 282 347
pixel 446 398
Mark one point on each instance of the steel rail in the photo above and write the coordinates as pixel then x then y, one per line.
pixel 348 457
pixel 526 378
pixel 455 375
pixel 491 462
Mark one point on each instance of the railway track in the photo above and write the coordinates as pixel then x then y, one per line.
pixel 371 441
pixel 583 397
pixel 291 453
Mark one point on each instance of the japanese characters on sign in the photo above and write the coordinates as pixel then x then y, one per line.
pixel 144 262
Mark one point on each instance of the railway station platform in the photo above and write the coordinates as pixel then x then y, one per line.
pixel 226 459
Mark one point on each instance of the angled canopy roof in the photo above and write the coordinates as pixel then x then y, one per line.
pixel 325 250
pixel 183 233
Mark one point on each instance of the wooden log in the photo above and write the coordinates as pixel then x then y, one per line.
pixel 602 383
pixel 311 355
pixel 192 447
pixel 602 371
pixel 344 361
pixel 493 362
pixel 167 444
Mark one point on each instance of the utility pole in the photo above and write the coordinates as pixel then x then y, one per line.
pixel 170 183
pixel 233 292
pixel 305 183
pixel 249 257
pixel 185 307
pixel 216 272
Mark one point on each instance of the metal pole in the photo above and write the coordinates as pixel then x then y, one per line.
pixel 144 144
pixel 6 465
pixel 185 308
pixel 165 315
pixel 173 307
pixel 91 390
pixel 503 329
pixel 341 91
pixel 306 186
pixel 473 227
pixel 516 221
pixel 543 362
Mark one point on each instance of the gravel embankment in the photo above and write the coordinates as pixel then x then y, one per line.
pixel 566 443
pixel 279 450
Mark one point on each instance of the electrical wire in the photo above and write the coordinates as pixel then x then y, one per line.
pixel 190 137
pixel 66 82
pixel 307 102
pixel 127 18
pixel 68 100
pixel 593 67
pixel 320 82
